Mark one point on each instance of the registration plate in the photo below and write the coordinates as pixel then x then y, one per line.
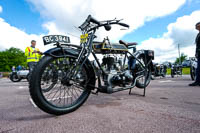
pixel 83 38
pixel 55 38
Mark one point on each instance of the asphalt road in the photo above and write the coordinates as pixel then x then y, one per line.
pixel 170 106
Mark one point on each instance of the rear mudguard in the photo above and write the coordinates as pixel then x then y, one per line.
pixel 149 54
pixel 74 52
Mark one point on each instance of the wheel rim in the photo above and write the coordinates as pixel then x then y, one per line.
pixel 57 89
pixel 15 77
pixel 141 80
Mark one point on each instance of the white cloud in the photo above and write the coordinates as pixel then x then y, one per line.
pixel 180 32
pixel 14 37
pixel 1 9
pixel 65 14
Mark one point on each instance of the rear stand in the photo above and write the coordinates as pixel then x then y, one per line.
pixel 145 81
pixel 144 92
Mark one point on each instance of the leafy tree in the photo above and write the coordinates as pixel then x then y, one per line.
pixel 183 58
pixel 11 57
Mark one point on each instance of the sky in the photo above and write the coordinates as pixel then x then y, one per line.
pixel 159 25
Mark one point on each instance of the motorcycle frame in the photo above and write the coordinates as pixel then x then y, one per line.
pixel 88 47
pixel 85 49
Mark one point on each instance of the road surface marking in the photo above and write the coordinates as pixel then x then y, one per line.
pixel 21 87
pixel 166 81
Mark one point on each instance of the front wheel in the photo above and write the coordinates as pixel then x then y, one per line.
pixel 15 78
pixel 192 72
pixel 53 89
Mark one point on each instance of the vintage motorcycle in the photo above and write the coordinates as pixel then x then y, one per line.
pixel 193 66
pixel 159 70
pixel 74 77
pixel 176 69
pixel 16 76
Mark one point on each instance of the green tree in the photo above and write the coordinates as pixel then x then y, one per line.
pixel 183 58
pixel 11 57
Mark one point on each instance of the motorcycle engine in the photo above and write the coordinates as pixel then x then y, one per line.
pixel 114 75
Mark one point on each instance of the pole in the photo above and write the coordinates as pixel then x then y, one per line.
pixel 179 54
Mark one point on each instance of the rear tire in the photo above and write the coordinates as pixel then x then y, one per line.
pixel 49 105
pixel 140 83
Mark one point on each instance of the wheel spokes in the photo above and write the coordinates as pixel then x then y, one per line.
pixel 57 89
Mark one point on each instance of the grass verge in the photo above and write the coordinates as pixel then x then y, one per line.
pixel 186 71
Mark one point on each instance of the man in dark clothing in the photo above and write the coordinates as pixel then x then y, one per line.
pixel 197 55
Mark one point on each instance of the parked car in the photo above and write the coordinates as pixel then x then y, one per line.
pixel 186 63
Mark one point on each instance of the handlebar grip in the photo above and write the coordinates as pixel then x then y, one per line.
pixel 123 24
pixel 93 20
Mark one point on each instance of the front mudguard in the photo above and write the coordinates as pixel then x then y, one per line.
pixel 74 52
pixel 59 52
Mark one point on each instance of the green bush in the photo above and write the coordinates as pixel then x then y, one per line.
pixel 5 74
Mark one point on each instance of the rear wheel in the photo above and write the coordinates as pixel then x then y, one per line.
pixel 140 82
pixel 53 89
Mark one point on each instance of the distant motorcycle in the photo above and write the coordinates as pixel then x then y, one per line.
pixel 176 70
pixel 193 66
pixel 159 70
pixel 17 76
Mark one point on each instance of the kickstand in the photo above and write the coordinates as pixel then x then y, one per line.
pixel 130 91
pixel 144 93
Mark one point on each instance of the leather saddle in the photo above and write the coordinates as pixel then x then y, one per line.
pixel 127 44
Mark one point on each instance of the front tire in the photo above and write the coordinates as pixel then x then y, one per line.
pixel 14 77
pixel 57 99
pixel 192 72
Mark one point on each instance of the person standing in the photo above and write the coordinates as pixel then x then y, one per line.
pixel 197 55
pixel 33 55
pixel 13 68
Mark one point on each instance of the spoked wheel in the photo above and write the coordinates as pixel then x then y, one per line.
pixel 14 77
pixel 140 82
pixel 54 89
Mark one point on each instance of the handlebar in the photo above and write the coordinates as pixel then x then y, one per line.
pixel 93 20
pixel 123 24
pixel 100 23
